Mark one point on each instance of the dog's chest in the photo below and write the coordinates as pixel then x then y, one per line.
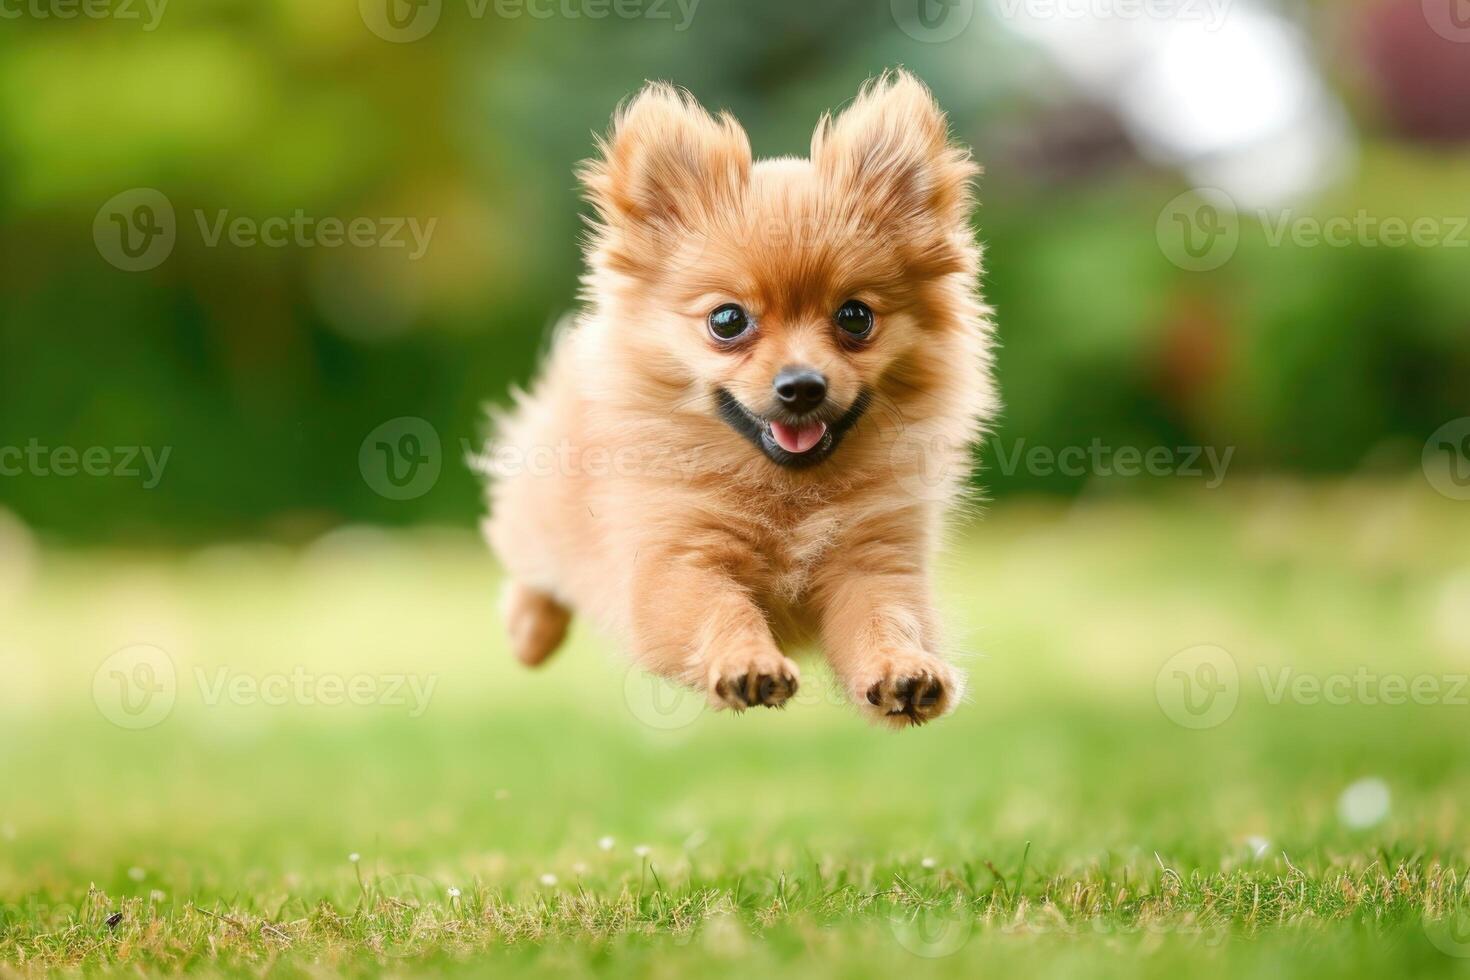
pixel 792 540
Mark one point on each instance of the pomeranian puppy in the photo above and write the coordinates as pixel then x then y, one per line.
pixel 747 442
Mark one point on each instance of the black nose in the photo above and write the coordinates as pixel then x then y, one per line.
pixel 800 389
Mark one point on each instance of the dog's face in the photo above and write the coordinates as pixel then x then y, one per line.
pixel 783 297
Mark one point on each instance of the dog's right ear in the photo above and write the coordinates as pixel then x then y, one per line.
pixel 892 149
pixel 666 163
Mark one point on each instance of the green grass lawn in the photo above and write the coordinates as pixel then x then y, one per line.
pixel 580 821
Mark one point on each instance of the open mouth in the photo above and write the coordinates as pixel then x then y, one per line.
pixel 792 443
pixel 797 439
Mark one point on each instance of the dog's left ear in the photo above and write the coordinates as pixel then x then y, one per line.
pixel 892 147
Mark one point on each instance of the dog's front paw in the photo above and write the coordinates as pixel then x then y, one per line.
pixel 765 680
pixel 904 689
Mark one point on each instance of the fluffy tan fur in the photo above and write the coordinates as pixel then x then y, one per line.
pixel 618 490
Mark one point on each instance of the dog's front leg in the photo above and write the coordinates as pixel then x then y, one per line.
pixel 880 632
pixel 692 622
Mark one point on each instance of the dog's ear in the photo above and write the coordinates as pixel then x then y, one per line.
pixel 892 147
pixel 666 162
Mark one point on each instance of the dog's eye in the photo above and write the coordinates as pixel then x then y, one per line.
pixel 729 322
pixel 855 319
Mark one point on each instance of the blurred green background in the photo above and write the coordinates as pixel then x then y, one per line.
pixel 263 368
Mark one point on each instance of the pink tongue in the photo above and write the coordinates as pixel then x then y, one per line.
pixel 798 438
